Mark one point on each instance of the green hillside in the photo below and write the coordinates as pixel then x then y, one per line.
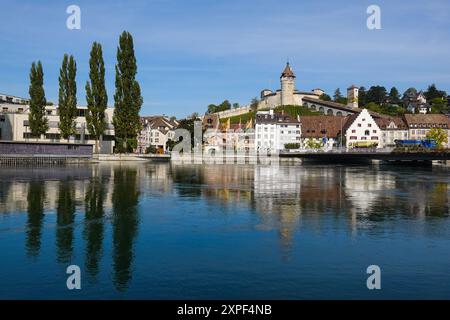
pixel 293 111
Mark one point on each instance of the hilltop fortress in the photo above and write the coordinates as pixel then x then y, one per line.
pixel 288 95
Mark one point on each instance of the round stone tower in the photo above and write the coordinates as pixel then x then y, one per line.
pixel 287 86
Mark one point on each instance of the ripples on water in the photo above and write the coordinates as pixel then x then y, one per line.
pixel 225 231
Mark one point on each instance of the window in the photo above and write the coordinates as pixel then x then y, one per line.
pixel 27 135
pixel 52 136
pixel 374 138
pixel 367 132
pixel 374 131
pixel 369 125
pixel 359 124
pixel 353 131
pixel 353 137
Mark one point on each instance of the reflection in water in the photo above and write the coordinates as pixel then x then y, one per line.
pixel 125 222
pixel 94 224
pixel 35 199
pixel 247 206
pixel 65 211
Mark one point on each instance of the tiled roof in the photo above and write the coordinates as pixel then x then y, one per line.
pixel 158 122
pixel 287 72
pixel 384 122
pixel 350 120
pixel 332 104
pixel 322 126
pixel 427 120
pixel 276 117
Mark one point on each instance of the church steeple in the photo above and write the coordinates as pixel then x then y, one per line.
pixel 287 72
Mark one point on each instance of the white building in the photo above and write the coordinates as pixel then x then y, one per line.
pixel 10 99
pixel 419 125
pixel 156 132
pixel 361 130
pixel 392 128
pixel 274 130
pixel 14 126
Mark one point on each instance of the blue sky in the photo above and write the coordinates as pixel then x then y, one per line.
pixel 196 52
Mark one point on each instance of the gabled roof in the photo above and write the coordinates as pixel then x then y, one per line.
pixel 350 120
pixel 384 122
pixel 322 126
pixel 159 122
pixel 427 120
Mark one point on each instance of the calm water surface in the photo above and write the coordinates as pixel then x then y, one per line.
pixel 159 230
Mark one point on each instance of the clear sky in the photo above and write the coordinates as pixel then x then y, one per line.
pixel 196 52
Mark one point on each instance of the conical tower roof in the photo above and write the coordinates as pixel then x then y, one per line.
pixel 287 72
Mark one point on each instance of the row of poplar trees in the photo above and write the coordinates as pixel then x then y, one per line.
pixel 127 97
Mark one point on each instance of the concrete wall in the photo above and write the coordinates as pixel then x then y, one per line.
pixel 233 112
pixel 47 149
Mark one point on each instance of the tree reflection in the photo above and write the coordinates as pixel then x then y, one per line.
pixel 188 180
pixel 125 223
pixel 94 225
pixel 65 218
pixel 35 200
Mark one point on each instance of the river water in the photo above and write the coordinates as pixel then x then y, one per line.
pixel 178 231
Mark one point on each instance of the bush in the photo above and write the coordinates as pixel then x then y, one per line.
pixel 313 144
pixel 150 149
pixel 292 146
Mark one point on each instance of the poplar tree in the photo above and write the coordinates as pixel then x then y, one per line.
pixel 96 96
pixel 67 101
pixel 37 120
pixel 127 98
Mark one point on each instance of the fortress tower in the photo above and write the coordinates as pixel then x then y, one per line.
pixel 287 86
pixel 352 96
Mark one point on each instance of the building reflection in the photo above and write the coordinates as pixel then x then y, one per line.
pixel 283 199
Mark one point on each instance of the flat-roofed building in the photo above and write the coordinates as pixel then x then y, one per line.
pixel 14 126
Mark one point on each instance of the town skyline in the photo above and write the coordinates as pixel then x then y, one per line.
pixel 178 79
